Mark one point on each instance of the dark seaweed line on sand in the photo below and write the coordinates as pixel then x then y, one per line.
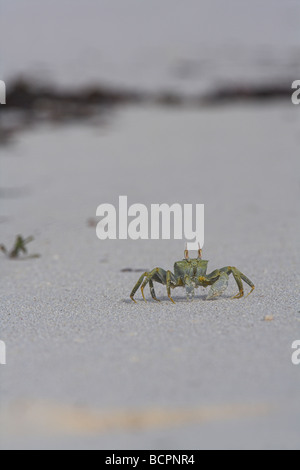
pixel 29 104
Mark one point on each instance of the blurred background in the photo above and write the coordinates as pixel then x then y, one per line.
pixel 193 46
pixel 163 101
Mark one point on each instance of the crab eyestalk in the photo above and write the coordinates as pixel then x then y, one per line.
pixel 186 252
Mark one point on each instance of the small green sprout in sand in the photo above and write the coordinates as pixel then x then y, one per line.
pixel 18 248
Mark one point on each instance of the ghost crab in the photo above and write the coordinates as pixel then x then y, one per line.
pixel 191 273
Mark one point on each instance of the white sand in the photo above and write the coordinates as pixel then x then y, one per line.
pixel 76 343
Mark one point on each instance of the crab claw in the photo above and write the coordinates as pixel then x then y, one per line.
pixel 218 287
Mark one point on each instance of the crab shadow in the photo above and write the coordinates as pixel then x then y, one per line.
pixel 178 299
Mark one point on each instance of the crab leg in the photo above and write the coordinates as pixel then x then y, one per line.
pixel 157 274
pixel 239 276
pixel 245 279
pixel 152 291
pixel 238 280
pixel 137 285
pixel 170 284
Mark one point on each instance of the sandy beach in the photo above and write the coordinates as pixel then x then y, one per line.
pixel 162 102
pixel 88 368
